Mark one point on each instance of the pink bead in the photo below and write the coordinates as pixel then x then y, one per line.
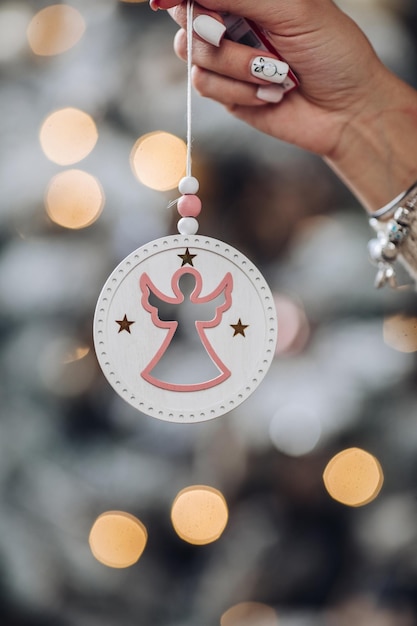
pixel 189 205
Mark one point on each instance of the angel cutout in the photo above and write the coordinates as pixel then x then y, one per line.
pixel 150 293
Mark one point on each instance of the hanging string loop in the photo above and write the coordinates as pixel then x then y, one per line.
pixel 190 14
pixel 189 205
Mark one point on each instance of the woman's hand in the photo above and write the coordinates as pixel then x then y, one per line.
pixel 349 108
pixel 336 65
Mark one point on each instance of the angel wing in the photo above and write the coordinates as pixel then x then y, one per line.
pixel 160 306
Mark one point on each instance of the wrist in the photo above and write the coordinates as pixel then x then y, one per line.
pixel 375 154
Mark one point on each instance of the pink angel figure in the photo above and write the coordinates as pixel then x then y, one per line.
pixel 149 290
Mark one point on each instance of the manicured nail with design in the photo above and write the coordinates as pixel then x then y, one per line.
pixel 270 93
pixel 209 29
pixel 269 69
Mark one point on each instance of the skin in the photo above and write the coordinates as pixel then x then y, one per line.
pixel 349 109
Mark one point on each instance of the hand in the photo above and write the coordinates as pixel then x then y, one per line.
pixel 339 72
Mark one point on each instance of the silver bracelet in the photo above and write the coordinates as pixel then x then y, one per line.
pixel 396 238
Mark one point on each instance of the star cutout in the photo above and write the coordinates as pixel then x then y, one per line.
pixel 124 324
pixel 239 328
pixel 187 258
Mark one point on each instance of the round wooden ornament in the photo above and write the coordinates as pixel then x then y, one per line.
pixel 185 328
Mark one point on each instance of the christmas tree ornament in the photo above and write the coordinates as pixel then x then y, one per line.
pixel 185 327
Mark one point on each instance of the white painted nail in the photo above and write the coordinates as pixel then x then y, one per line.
pixel 209 29
pixel 269 69
pixel 270 93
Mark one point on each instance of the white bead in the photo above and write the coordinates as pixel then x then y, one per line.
pixel 375 249
pixel 187 226
pixel 188 184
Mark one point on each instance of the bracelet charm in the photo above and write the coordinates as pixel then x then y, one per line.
pixel 394 237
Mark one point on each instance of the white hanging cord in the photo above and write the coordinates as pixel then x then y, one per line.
pixel 188 168
pixel 190 13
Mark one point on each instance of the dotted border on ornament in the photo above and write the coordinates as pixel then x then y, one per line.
pixel 148 250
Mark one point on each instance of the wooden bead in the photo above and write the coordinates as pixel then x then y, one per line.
pixel 187 226
pixel 188 184
pixel 189 206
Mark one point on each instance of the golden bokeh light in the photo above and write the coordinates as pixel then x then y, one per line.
pixel 117 539
pixel 68 136
pixel 199 514
pixel 400 332
pixel 353 477
pixel 74 199
pixel 66 368
pixel 76 354
pixel 55 29
pixel 158 160
pixel 249 614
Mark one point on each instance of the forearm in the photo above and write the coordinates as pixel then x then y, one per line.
pixel 377 153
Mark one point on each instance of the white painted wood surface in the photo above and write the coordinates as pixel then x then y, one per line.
pixel 125 351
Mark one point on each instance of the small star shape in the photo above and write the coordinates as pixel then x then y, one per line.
pixel 124 324
pixel 239 328
pixel 187 258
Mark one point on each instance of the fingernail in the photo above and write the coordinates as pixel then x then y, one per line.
pixel 209 29
pixel 154 5
pixel 269 69
pixel 270 93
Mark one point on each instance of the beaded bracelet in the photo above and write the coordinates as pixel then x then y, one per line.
pixel 396 238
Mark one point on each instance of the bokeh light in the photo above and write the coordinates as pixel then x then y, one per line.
pixel 199 514
pixel 294 329
pixel 76 353
pixel 158 160
pixel 74 199
pixel 14 18
pixel 55 29
pixel 117 539
pixel 400 332
pixel 249 614
pixel 353 477
pixel 68 135
pixel 66 368
pixel 295 429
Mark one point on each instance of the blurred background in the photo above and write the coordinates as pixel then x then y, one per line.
pixel 81 84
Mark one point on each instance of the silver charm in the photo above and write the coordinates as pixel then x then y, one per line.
pixel 385 275
pixel 403 216
pixel 384 249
